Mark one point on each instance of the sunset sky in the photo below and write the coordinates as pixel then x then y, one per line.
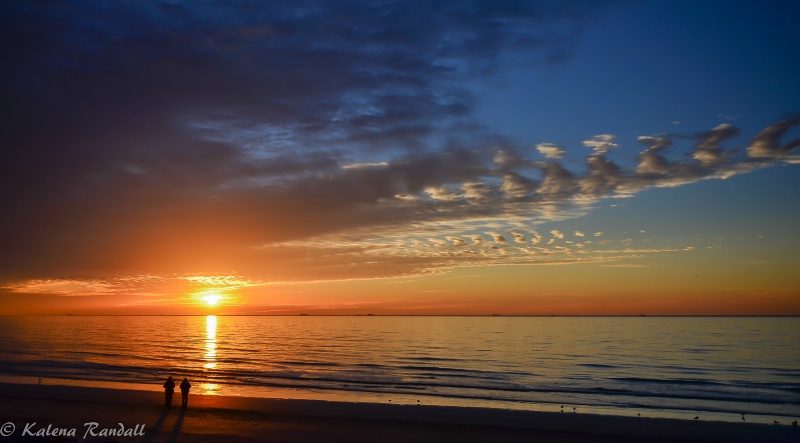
pixel 400 157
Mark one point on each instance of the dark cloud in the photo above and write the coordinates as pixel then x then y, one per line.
pixel 122 121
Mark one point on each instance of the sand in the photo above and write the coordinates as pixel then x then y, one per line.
pixel 66 409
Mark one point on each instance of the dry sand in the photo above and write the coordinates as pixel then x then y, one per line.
pixel 239 419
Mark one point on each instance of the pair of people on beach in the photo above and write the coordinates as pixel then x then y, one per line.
pixel 169 389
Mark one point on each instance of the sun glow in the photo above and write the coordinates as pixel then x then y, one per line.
pixel 212 299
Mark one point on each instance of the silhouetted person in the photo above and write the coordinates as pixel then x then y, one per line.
pixel 169 389
pixel 185 386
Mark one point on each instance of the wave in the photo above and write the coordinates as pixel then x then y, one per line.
pixel 670 381
pixel 431 378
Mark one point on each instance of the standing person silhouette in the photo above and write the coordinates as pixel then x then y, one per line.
pixel 169 389
pixel 185 386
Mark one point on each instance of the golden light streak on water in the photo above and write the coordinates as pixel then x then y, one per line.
pixel 211 343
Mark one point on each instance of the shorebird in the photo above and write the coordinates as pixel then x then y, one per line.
pixel 776 422
pixel 794 423
pixel 696 417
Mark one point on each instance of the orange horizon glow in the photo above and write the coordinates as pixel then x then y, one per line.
pixel 692 282
pixel 382 298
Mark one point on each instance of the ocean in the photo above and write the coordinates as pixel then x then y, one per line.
pixel 716 368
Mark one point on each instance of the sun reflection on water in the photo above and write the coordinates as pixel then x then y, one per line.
pixel 210 388
pixel 210 357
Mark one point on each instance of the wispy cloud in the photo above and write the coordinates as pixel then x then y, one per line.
pixel 66 287
pixel 768 144
pixel 601 144
pixel 550 150
pixel 149 286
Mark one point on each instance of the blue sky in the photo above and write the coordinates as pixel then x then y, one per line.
pixel 348 155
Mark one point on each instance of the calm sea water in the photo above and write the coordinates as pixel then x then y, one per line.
pixel 681 367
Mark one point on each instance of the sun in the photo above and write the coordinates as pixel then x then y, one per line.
pixel 212 299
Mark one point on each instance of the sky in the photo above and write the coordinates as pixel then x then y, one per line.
pixel 400 157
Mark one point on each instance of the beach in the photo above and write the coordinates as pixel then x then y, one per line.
pixel 73 413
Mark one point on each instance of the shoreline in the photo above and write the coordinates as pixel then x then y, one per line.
pixel 215 418
pixel 374 397
pixel 370 397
